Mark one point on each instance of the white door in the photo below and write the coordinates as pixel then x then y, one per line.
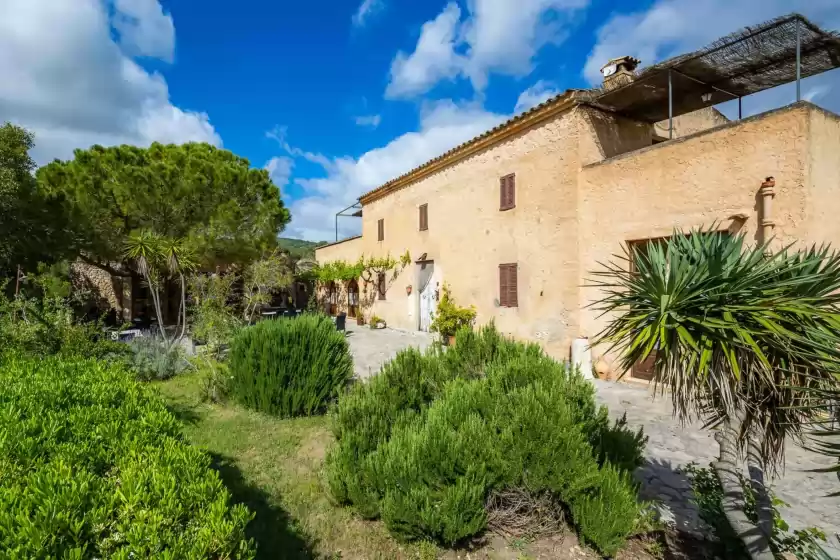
pixel 428 304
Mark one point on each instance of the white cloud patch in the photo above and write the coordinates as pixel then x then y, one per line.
pixel 68 81
pixel 671 27
pixel 367 9
pixel 280 169
pixel 443 125
pixel 434 58
pixel 369 120
pixel 500 36
pixel 534 95
pixel 144 29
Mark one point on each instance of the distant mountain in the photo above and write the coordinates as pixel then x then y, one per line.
pixel 298 247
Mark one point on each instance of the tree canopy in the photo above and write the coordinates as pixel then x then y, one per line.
pixel 33 227
pixel 223 209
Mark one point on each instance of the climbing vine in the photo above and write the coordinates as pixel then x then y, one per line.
pixel 364 268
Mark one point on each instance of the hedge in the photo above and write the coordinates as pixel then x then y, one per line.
pixel 93 465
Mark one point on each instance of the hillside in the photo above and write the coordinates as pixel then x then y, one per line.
pixel 299 247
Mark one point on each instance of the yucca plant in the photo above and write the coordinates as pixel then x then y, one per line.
pixel 745 338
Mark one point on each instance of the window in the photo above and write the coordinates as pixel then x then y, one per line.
pixel 424 217
pixel 381 225
pixel 508 285
pixel 380 285
pixel 507 192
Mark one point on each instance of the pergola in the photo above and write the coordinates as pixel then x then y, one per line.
pixel 748 61
pixel 352 211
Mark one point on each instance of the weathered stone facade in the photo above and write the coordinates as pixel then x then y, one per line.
pixel 588 181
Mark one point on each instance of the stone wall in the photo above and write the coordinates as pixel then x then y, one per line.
pixel 109 292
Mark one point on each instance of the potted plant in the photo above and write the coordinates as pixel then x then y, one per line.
pixel 450 318
pixel 377 322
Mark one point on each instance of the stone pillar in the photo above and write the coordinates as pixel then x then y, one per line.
pixel 767 192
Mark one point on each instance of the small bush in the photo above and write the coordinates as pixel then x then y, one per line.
pixel 152 358
pixel 429 440
pixel 94 466
pixel 449 318
pixel 215 379
pixel 289 367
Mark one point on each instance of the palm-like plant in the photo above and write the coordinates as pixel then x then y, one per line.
pixel 744 338
pixel 179 258
pixel 144 248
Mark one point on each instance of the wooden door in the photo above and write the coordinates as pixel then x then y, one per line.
pixel 352 298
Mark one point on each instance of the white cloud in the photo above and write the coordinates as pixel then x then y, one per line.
pixel 443 125
pixel 144 29
pixel 434 59
pixel 66 79
pixel 671 27
pixel 501 36
pixel 534 95
pixel 369 120
pixel 280 169
pixel 366 9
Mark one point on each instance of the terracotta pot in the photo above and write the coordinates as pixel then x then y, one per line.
pixel 360 320
pixel 450 341
pixel 602 369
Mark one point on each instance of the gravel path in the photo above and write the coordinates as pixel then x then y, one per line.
pixel 670 446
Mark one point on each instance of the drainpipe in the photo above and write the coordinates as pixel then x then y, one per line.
pixel 767 192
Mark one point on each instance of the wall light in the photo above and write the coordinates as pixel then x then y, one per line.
pixel 706 97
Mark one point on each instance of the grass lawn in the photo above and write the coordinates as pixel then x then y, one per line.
pixel 274 467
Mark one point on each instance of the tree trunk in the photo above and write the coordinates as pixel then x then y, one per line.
pixel 763 503
pixel 156 301
pixel 183 305
pixel 754 539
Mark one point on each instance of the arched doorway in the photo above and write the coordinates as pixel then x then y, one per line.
pixel 332 298
pixel 352 298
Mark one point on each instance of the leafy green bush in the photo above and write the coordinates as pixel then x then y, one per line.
pixel 289 367
pixel 708 496
pixel 94 466
pixel 449 318
pixel 153 358
pixel 45 327
pixel 425 442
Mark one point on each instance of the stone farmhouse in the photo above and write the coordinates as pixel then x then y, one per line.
pixel 514 220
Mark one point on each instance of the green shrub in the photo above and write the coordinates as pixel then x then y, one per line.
pixel 45 327
pixel 289 367
pixel 153 358
pixel 708 496
pixel 424 443
pixel 92 465
pixel 449 318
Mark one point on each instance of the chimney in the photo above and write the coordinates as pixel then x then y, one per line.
pixel 619 71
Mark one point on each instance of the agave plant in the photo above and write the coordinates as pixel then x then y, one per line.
pixel 745 338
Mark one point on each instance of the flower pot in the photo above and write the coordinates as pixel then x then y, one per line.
pixel 360 320
pixel 450 340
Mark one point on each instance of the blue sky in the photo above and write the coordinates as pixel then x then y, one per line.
pixel 334 97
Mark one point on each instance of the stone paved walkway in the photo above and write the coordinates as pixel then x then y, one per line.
pixel 671 446
pixel 373 347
